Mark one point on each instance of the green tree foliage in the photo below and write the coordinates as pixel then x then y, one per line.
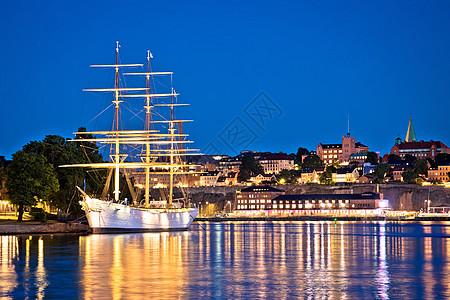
pixel 353 165
pixel 326 177
pixel 249 166
pixel 312 162
pixel 58 151
pixel 381 171
pixel 300 152
pixel 289 176
pixel 30 178
pixel 2 174
pixel 409 158
pixel 372 158
pixel 409 176
pixel 421 166
pixel 442 159
pixel 394 159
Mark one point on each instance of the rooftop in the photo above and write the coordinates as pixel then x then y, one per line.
pixel 261 188
pixel 328 196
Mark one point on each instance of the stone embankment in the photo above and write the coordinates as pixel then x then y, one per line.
pixel 44 228
pixel 400 196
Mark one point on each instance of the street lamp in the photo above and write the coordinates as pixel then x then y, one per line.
pixel 207 208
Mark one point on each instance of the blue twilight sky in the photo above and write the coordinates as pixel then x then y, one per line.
pixel 315 63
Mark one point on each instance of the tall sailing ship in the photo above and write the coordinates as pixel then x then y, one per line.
pixel 160 146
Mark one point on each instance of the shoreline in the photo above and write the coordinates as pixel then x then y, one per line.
pixel 320 218
pixel 79 228
pixel 44 228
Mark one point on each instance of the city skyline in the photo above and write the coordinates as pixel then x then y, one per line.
pixel 313 64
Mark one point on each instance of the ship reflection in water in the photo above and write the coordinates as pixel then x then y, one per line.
pixel 235 260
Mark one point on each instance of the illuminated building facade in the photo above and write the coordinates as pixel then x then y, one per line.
pixel 256 197
pixel 440 173
pixel 273 163
pixel 422 149
pixel 331 153
pixel 317 204
pixel 418 149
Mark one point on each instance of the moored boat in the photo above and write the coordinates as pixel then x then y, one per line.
pixel 160 144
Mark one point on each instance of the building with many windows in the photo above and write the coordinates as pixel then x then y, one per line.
pixel 273 163
pixel 319 204
pixel 331 153
pixel 422 149
pixel 256 197
pixel 418 149
pixel 440 173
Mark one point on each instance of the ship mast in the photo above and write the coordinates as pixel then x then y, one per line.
pixel 171 132
pixel 117 102
pixel 147 127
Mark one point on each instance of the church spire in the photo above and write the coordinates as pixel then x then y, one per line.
pixel 411 134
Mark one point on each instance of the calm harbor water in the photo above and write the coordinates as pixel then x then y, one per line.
pixel 312 260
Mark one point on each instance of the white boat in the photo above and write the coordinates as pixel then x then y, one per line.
pixel 161 149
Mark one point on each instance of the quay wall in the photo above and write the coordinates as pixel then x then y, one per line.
pixel 44 228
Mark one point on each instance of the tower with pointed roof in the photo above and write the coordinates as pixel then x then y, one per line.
pixel 411 134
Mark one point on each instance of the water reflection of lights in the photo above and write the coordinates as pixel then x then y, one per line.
pixel 41 275
pixel 382 272
pixel 138 264
pixel 338 260
pixel 9 253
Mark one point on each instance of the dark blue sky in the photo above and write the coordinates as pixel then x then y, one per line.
pixel 317 61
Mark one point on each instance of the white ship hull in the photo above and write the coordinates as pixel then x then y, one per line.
pixel 109 217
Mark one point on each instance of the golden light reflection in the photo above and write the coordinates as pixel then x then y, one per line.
pixel 9 254
pixel 40 274
pixel 338 260
pixel 132 265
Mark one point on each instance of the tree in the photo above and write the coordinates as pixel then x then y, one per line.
pixel 300 152
pixel 312 162
pixel 442 159
pixel 326 177
pixel 249 166
pixel 353 165
pixel 409 158
pixel 409 176
pixel 286 175
pixel 381 170
pixel 394 159
pixel 30 178
pixel 372 158
pixel 58 151
pixel 421 166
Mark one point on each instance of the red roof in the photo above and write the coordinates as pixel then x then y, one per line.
pixel 421 145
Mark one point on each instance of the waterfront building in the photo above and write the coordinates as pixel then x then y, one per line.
pixel 340 153
pixel 256 197
pixel 316 204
